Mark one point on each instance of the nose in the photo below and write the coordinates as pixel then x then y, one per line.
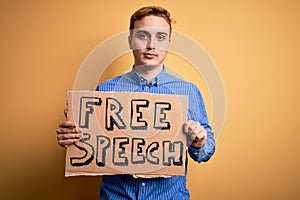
pixel 151 43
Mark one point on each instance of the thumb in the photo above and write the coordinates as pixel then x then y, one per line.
pixel 66 112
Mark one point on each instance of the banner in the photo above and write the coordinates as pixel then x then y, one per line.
pixel 127 133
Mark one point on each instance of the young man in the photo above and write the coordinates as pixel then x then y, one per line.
pixel 149 39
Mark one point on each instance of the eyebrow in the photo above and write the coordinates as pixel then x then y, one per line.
pixel 147 32
pixel 142 31
pixel 162 33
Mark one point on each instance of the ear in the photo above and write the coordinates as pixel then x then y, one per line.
pixel 130 41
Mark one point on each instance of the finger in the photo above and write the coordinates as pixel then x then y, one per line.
pixel 66 112
pixel 186 127
pixel 68 130
pixel 193 125
pixel 201 135
pixel 199 130
pixel 196 131
pixel 68 136
pixel 67 124
pixel 65 143
pixel 199 142
pixel 192 129
pixel 67 139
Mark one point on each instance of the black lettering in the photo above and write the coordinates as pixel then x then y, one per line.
pixel 86 109
pixel 137 158
pixel 172 152
pixel 88 156
pixel 160 116
pixel 119 151
pixel 103 143
pixel 112 115
pixel 149 153
pixel 136 122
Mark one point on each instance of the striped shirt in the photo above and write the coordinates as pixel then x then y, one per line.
pixel 120 187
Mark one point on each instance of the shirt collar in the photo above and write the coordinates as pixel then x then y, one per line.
pixel 159 79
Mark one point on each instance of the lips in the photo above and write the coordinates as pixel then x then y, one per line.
pixel 150 55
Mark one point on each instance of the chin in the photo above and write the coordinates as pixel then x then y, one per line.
pixel 153 64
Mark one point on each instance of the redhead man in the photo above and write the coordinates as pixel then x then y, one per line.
pixel 149 39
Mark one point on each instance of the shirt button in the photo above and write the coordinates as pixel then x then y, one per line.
pixel 147 87
pixel 143 184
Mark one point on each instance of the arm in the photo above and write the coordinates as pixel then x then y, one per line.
pixel 202 143
pixel 200 135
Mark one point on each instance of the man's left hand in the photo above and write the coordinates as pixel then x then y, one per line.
pixel 197 134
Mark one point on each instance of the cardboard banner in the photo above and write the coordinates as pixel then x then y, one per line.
pixel 127 133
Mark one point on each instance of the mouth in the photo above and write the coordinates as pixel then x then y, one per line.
pixel 150 55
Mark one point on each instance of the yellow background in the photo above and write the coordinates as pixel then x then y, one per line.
pixel 255 44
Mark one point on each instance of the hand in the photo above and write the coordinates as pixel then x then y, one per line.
pixel 196 132
pixel 68 133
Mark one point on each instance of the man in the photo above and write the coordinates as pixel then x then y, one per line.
pixel 149 39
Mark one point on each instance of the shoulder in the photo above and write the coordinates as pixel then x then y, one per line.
pixel 109 84
pixel 175 81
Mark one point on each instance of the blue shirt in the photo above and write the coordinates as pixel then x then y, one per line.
pixel 126 186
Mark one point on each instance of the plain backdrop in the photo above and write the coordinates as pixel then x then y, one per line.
pixel 255 44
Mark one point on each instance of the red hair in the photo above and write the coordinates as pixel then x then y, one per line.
pixel 150 10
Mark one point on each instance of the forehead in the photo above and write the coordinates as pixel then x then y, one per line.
pixel 152 22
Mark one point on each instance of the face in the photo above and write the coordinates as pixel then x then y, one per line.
pixel 150 41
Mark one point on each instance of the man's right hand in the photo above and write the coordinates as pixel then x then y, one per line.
pixel 68 133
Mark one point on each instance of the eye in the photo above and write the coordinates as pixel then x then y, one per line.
pixel 161 37
pixel 142 36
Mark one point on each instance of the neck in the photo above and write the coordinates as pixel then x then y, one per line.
pixel 149 72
